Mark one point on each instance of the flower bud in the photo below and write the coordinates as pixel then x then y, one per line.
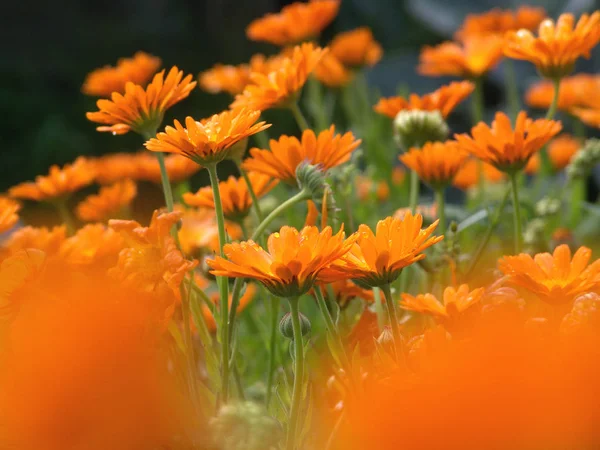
pixel 414 128
pixel 587 157
pixel 386 340
pixel 311 178
pixel 286 327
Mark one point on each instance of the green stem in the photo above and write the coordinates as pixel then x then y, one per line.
pixel 223 285
pixel 253 196
pixel 164 179
pixel 578 196
pixel 300 120
pixel 298 375
pixel 477 101
pixel 554 105
pixel 65 215
pixel 512 90
pixel 238 382
pixel 393 318
pixel 441 207
pixel 186 297
pixel 272 348
pixel 413 196
pixel 333 332
pixel 517 212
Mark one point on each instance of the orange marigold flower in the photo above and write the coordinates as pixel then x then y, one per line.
pixel 139 109
pixel 574 92
pixel 468 175
pixel 93 245
pixel 365 186
pixel 436 163
pixel 151 261
pixel 556 278
pixel 291 265
pixel 58 183
pixel 233 79
pixel 589 116
pixel 356 48
pixel 557 47
pixel 506 148
pixel 443 100
pixel 331 72
pixel 109 201
pixel 455 301
pixel 114 167
pixel 179 168
pixel 378 258
pixel 345 290
pixel 560 152
pixel 211 140
pixel 471 59
pixel 326 150
pixel 8 213
pixel 199 231
pixel 106 80
pixel 245 299
pixel 17 271
pixel 42 238
pixel 499 21
pixel 429 211
pixel 279 88
pixel 235 196
pixel 295 23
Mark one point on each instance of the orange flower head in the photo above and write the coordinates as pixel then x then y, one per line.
pixel 291 265
pixel 498 22
pixel 555 279
pixel 109 201
pixel 18 271
pixel 506 148
pixel 327 150
pixel 455 302
pixel 59 183
pixel 443 100
pixel 589 116
pixel 179 168
pixel 235 197
pixel 436 163
pixel 199 231
pixel 114 167
pixel 8 213
pixel 562 149
pixel 151 262
pixel 295 23
pixel 142 110
pixel 356 48
pixel 94 245
pixel 244 300
pixel 44 239
pixel 378 258
pixel 366 186
pixel 574 92
pixel 331 72
pixel 345 290
pixel 211 140
pixel 468 175
pixel 471 59
pixel 429 211
pixel 557 46
pixel 106 80
pixel 281 87
pixel 233 79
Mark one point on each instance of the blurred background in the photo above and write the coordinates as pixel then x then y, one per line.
pixel 49 47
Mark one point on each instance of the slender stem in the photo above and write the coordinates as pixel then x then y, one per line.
pixel 253 196
pixel 223 286
pixel 578 196
pixel 164 179
pixel 517 212
pixel 300 120
pixel 272 348
pixel 554 105
pixel 186 297
pixel 441 207
pixel 392 317
pixel 413 196
pixel 238 382
pixel 332 330
pixel 298 375
pixel 65 215
pixel 512 90
pixel 477 109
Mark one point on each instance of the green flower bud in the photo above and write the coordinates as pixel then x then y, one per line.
pixel 287 330
pixel 311 178
pixel 584 160
pixel 414 128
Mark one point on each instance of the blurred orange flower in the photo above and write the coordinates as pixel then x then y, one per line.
pixel 151 261
pixel 589 116
pixel 331 72
pixel 291 265
pixel 468 175
pixel 378 258
pixel 326 150
pixel 109 201
pixel 59 183
pixel 42 238
pixel 557 47
pixel 139 109
pixel 471 59
pixel 113 167
pixel 506 148
pixel 365 186
pixel 235 197
pixel 436 163
pixel 499 21
pixel 281 87
pixel 555 279
pixel 429 211
pixel 244 301
pixel 106 80
pixel 295 23
pixel 211 140
pixel 93 245
pixel 560 151
pixel 199 231
pixel 455 302
pixel 574 91
pixel 443 100
pixel 356 48
pixel 345 290
pixel 179 168
pixel 8 213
